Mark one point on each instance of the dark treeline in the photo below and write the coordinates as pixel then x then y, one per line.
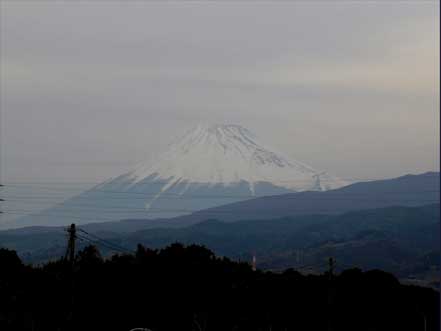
pixel 188 288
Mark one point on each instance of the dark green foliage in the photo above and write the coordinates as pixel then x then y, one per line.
pixel 189 288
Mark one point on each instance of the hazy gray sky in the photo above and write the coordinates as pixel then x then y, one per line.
pixel 91 88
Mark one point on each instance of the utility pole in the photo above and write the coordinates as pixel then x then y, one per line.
pixel 331 267
pixel 70 250
pixel 70 257
pixel 331 264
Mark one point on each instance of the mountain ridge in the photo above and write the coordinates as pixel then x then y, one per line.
pixel 397 239
pixel 407 190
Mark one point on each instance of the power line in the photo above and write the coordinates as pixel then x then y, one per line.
pixel 183 196
pixel 90 219
pixel 139 211
pixel 97 242
pixel 104 240
pixel 162 181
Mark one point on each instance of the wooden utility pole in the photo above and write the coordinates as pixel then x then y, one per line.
pixel 70 258
pixel 70 250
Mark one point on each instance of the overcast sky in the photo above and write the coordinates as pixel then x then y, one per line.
pixel 88 89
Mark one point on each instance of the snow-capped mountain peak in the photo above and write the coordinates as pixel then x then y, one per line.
pixel 226 154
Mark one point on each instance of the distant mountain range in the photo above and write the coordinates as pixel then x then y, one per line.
pixel 224 172
pixel 396 239
pixel 389 224
pixel 402 240
pixel 209 166
pixel 409 190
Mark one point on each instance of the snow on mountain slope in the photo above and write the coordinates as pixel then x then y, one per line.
pixel 207 167
pixel 229 154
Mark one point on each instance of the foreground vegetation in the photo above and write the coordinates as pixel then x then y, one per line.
pixel 401 240
pixel 188 288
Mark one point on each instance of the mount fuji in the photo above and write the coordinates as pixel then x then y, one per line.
pixel 209 166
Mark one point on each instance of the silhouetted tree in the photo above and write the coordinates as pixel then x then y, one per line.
pixel 89 256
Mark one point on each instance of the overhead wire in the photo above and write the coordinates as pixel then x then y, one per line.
pixel 99 242
pixel 136 212
pixel 163 181
pixel 106 241
pixel 142 212
pixel 178 196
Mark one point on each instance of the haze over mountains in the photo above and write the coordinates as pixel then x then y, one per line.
pixel 406 191
pixel 209 166
pixel 390 224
